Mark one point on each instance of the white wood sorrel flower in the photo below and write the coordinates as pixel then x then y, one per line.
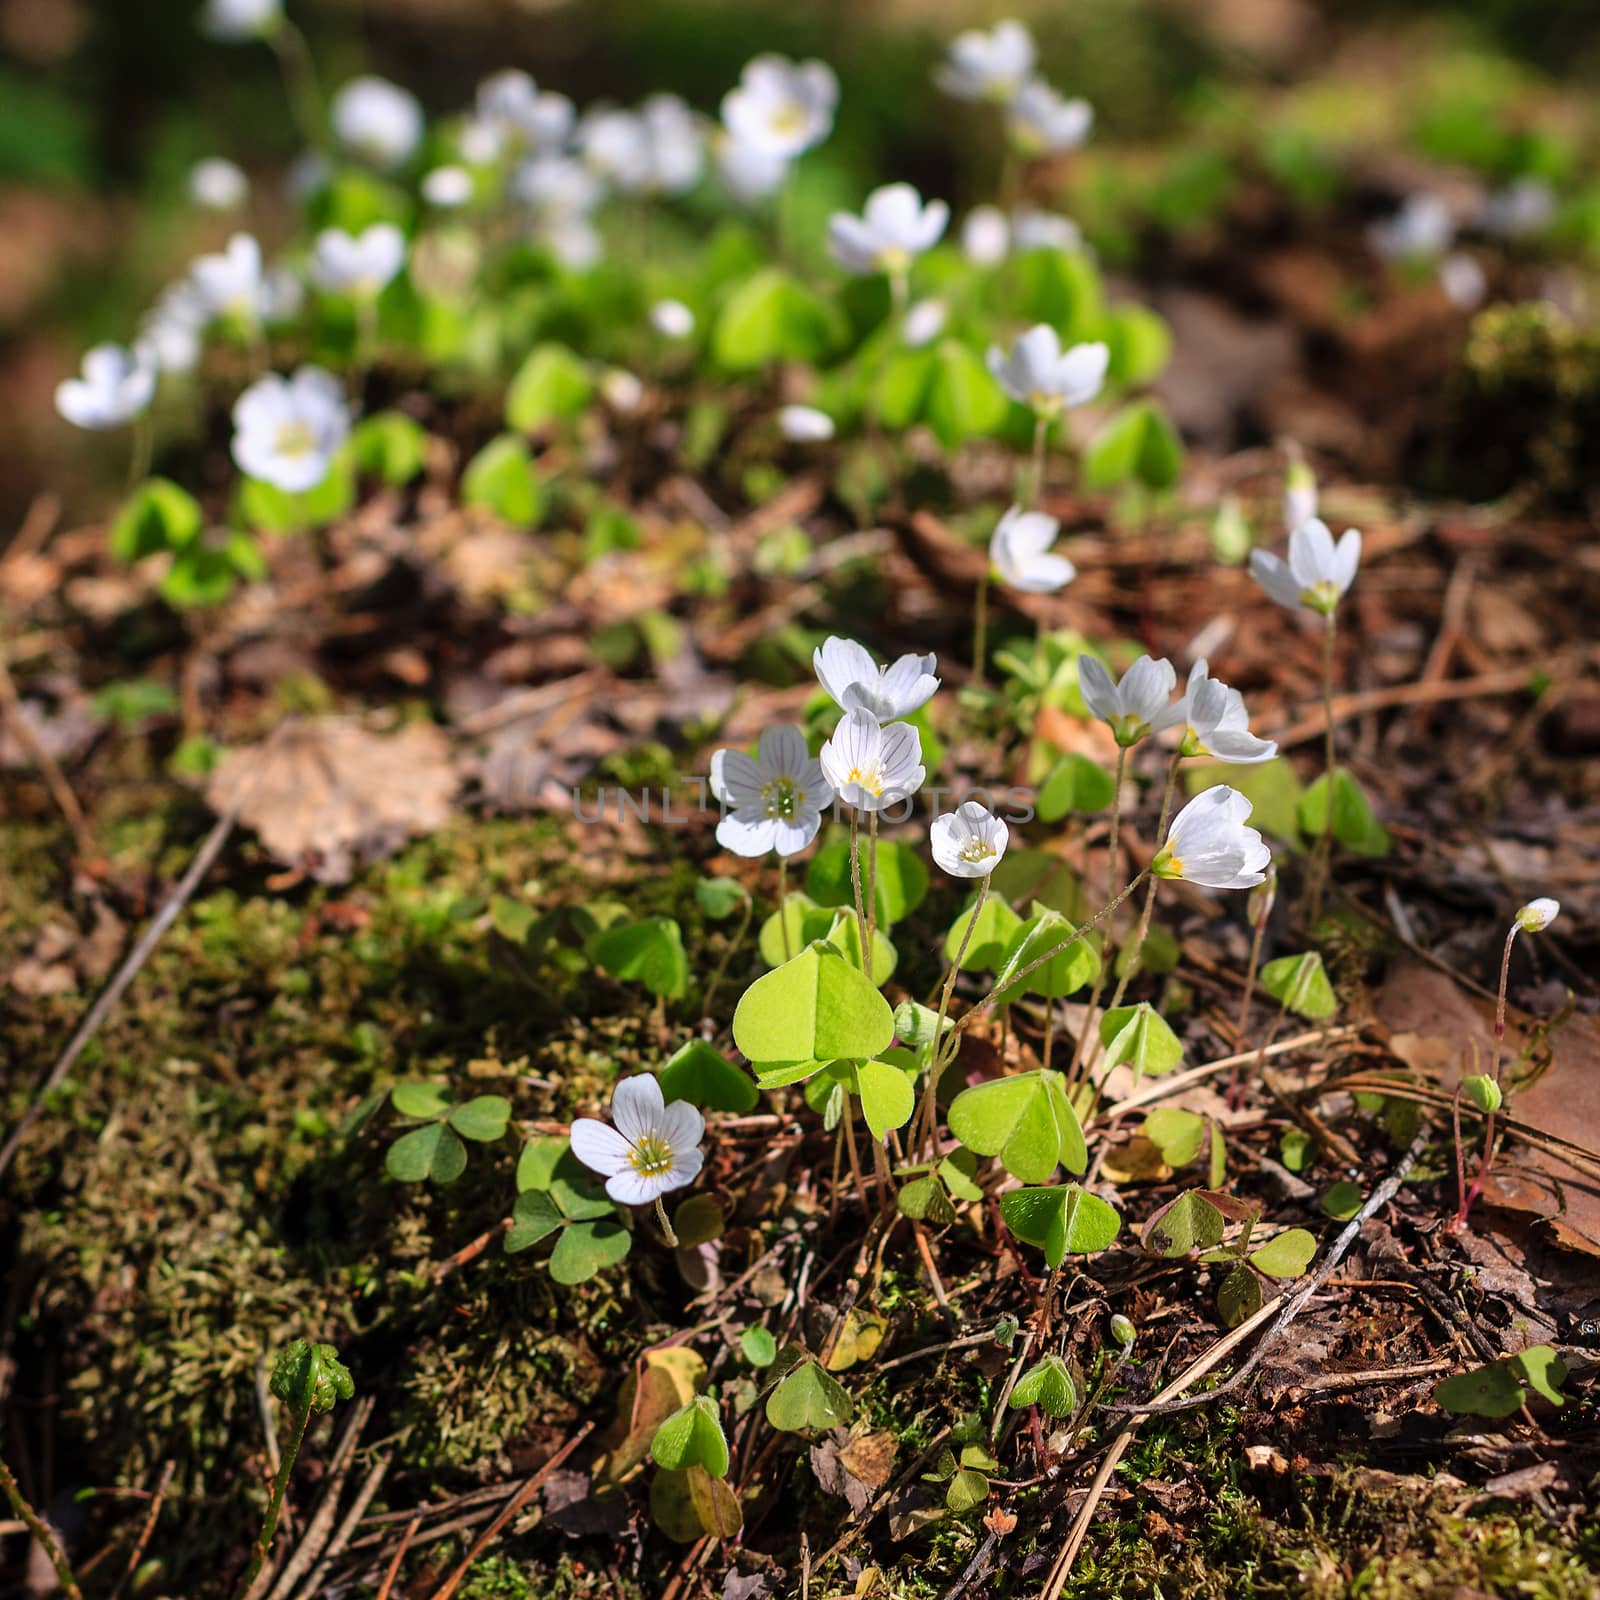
pixel 854 681
pixel 1042 122
pixel 286 431
pixel 1139 705
pixel 774 802
pixel 653 1149
pixel 1218 724
pixel 1019 551
pixel 895 227
pixel 1318 571
pixel 1209 843
pixel 1039 374
pixel 992 65
pixel 1538 914
pixel 361 264
pixel 969 841
pixel 781 108
pixel 805 425
pixel 872 766
pixel 229 282
pixel 233 20
pixel 116 386
pixel 378 120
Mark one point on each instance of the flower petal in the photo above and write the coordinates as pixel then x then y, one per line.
pixel 600 1147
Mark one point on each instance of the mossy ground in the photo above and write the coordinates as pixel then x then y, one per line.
pixel 191 1202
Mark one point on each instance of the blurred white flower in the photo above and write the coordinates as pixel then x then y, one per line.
pixel 774 802
pixel 172 328
pixel 1042 122
pixel 748 173
pixel 1421 229
pixel 1039 374
pixel 1538 914
pixel 804 424
pixel 233 20
pixel 615 146
pixel 1318 571
pixel 1463 281
pixel 992 65
pixel 286 431
pixel 872 766
pixel 1299 493
pixel 985 236
pixel 1044 230
pixel 894 229
pixel 855 682
pixel 116 386
pixel 1137 707
pixel 218 184
pixel 672 319
pixel 676 144
pixel 515 118
pixel 623 391
pixel 448 187
pixel 228 283
pixel 360 265
pixel 924 322
pixel 572 239
pixel 781 108
pixel 283 293
pixel 557 184
pixel 653 1149
pixel 308 174
pixel 969 841
pixel 1209 843
pixel 1527 205
pixel 1218 724
pixel 1019 551
pixel 378 120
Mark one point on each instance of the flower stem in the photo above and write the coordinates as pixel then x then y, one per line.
pixel 928 1116
pixel 728 953
pixel 269 1525
pixel 299 81
pixel 783 905
pixel 1500 1001
pixel 42 1531
pixel 1322 862
pixel 1112 872
pixel 1136 949
pixel 143 448
pixel 1257 934
pixel 666 1227
pixel 872 892
pixel 855 879
pixel 1041 427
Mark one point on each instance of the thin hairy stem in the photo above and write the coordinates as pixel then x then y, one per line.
pixel 1322 861
pixel 1112 873
pixel 1041 428
pixel 928 1117
pixel 1136 949
pixel 666 1227
pixel 872 892
pixel 783 905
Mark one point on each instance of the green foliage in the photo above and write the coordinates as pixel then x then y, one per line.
pixel 719 898
pixel 1047 1384
pixel 963 402
pixel 649 952
pixel 1075 968
pixel 1140 1037
pixel 1354 825
pixel 1301 983
pixel 310 1377
pixel 555 1192
pixel 391 446
pixel 813 1009
pixel 809 1400
pixel 758 1346
pixel 1137 445
pixel 1502 1387
pixel 992 933
pixel 435 1150
pixel 552 385
pixel 501 478
pixel 1027 1120
pixel 272 510
pixel 692 1437
pixel 157 516
pixel 900 884
pixel 699 1073
pixel 773 317
pixel 1074 784
pixel 1062 1220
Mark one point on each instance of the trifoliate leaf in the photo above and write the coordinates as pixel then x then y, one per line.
pixel 887 1097
pixel 1178 1134
pixel 1544 1372
pixel 1075 968
pixel 586 1248
pixel 552 385
pixel 968 1488
pixel 699 1073
pixel 1064 1219
pixel 421 1100
pixel 482 1119
pixel 157 516
pixel 899 886
pixel 1239 1298
pixel 809 1401
pixel 1182 1226
pixel 1301 983
pixel 1075 783
pixel 963 400
pixel 1492 1391
pixel 771 317
pixel 390 446
pixel 1026 1120
pixel 432 1152
pixel 787 932
pixel 692 1437
pixel 1354 825
pixel 719 898
pixel 1286 1255
pixel 501 478
pixel 1140 1037
pixel 1342 1200
pixel 845 935
pixel 815 1007
pixel 1048 1385
pixel 533 1217
pixel 991 935
pixel 648 952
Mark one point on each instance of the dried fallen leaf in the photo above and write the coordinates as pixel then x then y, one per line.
pixel 328 795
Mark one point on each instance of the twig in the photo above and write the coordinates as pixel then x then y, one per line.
pixel 158 1495
pixel 509 1510
pixel 42 1531
pixel 341 1539
pixel 399 1556
pixel 125 974
pixel 1356 1380
pixel 1380 1197
pixel 1347 707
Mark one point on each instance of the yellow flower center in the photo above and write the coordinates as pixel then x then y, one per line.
pixel 651 1157
pixel 871 781
pixel 789 118
pixel 977 849
pixel 783 797
pixel 295 439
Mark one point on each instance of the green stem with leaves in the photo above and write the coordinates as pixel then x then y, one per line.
pixel 41 1531
pixel 280 1483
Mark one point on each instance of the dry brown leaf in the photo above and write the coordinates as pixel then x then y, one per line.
pixel 870 1457
pixel 328 795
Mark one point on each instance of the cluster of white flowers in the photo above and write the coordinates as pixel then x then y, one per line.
pixel 1422 232
pixel 997 66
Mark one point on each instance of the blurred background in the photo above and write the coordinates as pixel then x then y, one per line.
pixel 1241 153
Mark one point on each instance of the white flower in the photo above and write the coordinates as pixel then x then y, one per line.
pixel 116 386
pixel 871 766
pixel 854 681
pixel 282 293
pixel 615 146
pixel 1318 571
pixel 774 802
pixel 1463 281
pixel 447 187
pixel 653 1149
pixel 514 117
pixel 573 240
pixel 1420 229
pixel 1139 705
pixel 1041 375
pixel 360 265
pixel 378 119
pixel 672 319
pixel 1209 843
pixel 969 841
pixel 1525 206
pixel 623 391
pixel 1537 915
pixel 988 66
pixel 218 184
pixel 1044 230
pixel 558 184
pixel 1218 724
pixel 1299 494
pixel 228 284
pixel 233 20
pixel 675 142
pixel 781 108
pixel 985 236
pixel 749 173
pixel 286 431
pixel 893 230
pixel 924 323
pixel 172 328
pixel 804 424
pixel 1042 122
pixel 1019 551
